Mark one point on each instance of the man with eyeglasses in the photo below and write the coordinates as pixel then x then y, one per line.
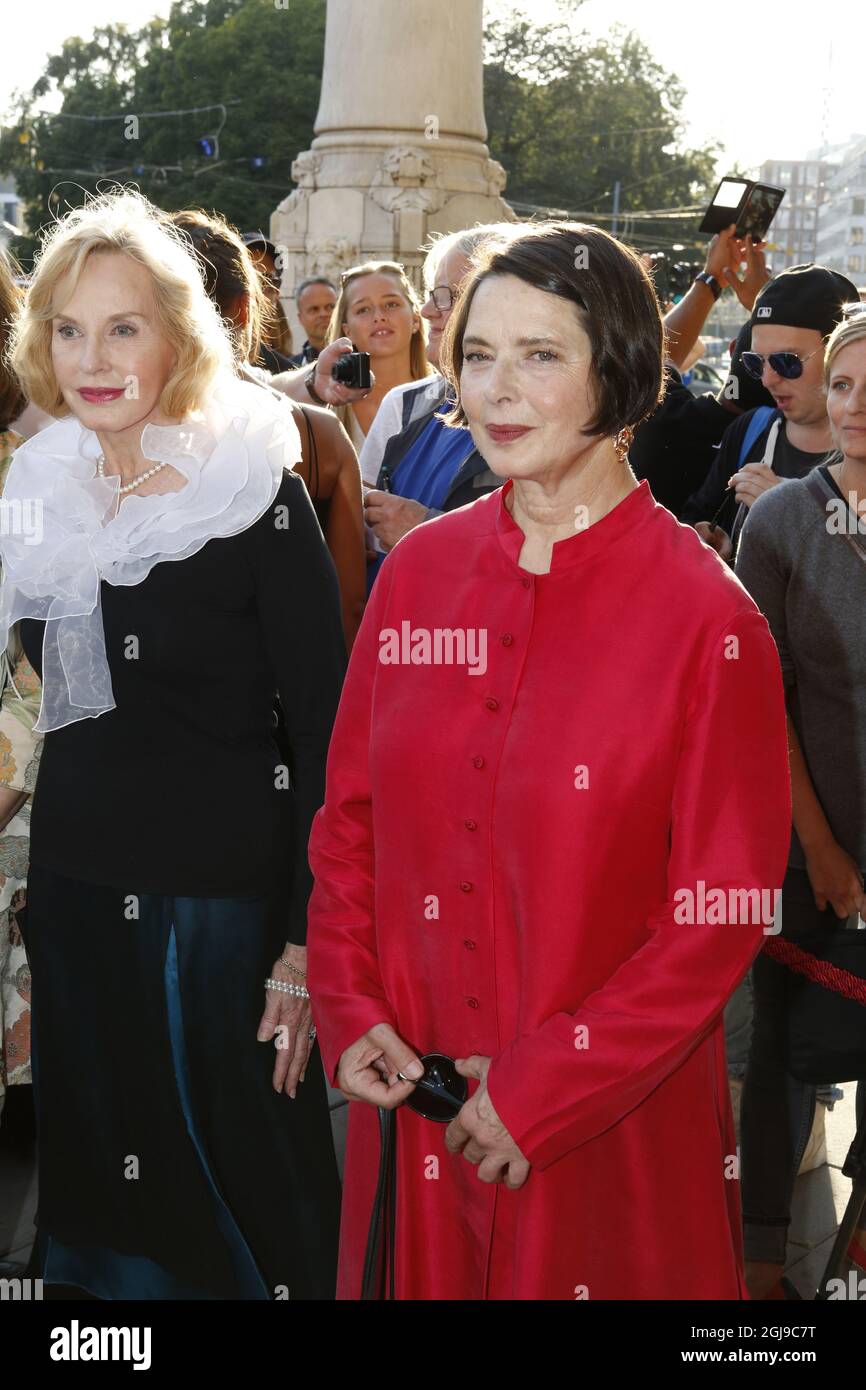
pixel 792 316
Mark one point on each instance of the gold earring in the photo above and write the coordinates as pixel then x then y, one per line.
pixel 623 442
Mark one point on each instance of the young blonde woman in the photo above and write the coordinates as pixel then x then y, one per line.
pixel 180 585
pixel 381 313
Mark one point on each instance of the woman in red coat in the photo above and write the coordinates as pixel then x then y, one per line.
pixel 529 859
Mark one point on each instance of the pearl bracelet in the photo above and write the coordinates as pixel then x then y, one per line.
pixel 296 991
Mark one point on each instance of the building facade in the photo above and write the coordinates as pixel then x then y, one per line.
pixel 794 230
pixel 841 243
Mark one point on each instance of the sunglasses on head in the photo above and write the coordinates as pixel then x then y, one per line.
pixel 441 1092
pixel 785 364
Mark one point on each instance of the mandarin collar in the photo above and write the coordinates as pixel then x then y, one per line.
pixel 629 514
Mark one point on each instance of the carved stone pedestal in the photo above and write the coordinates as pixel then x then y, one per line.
pixel 399 151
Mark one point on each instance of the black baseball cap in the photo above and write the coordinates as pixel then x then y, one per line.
pixel 805 296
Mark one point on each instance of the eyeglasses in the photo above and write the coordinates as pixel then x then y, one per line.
pixel 785 364
pixel 444 297
pixel 441 1092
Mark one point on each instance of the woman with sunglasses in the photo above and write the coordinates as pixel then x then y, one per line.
pixel 791 317
pixel 513 868
pixel 804 571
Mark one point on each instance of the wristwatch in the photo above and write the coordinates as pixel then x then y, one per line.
pixel 309 379
pixel 707 279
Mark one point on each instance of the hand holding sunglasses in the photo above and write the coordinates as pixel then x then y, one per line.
pixel 379 1068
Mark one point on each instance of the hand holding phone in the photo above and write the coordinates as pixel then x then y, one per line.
pixel 749 205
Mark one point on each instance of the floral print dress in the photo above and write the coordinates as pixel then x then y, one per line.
pixel 19 759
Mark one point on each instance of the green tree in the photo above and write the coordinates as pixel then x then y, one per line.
pixel 262 63
pixel 570 117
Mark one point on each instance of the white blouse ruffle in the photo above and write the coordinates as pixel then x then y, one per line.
pixel 232 453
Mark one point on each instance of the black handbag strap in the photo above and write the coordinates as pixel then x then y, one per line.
pixel 822 491
pixel 379 1255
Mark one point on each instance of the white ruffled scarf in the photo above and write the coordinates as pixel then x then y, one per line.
pixel 232 453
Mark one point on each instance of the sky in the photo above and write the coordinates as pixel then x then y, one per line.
pixel 758 76
pixel 765 81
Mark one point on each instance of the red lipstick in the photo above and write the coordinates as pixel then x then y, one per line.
pixel 98 395
pixel 506 434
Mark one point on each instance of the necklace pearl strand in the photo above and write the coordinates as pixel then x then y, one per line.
pixel 136 482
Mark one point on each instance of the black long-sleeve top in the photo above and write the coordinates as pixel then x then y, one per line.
pixel 181 789
pixel 675 447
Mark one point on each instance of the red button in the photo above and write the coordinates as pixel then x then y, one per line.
pixel 478 762
pixel 526 583
pixel 466 888
pixel 491 703
pixel 473 1003
pixel 506 639
pixel 470 945
pixel 470 825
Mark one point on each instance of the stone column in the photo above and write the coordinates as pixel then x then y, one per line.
pixel 399 146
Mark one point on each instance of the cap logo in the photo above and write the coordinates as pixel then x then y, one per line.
pixel 765 312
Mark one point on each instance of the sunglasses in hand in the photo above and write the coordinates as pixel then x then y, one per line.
pixel 441 1091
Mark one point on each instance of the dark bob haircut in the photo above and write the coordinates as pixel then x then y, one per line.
pixel 616 302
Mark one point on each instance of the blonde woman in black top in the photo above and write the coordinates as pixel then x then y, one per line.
pixel 179 585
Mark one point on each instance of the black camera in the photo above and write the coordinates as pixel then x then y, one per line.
pixel 353 369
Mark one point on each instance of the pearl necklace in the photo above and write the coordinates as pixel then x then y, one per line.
pixel 128 487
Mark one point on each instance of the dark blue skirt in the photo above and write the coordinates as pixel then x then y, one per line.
pixel 168 1165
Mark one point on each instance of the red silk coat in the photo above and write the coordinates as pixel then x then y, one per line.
pixel 500 867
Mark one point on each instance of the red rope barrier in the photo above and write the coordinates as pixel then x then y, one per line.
pixel 821 971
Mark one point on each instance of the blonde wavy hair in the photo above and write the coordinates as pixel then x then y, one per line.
pixel 126 222
pixel 419 366
pixel 850 329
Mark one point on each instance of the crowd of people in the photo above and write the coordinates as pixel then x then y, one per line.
pixel 324 759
